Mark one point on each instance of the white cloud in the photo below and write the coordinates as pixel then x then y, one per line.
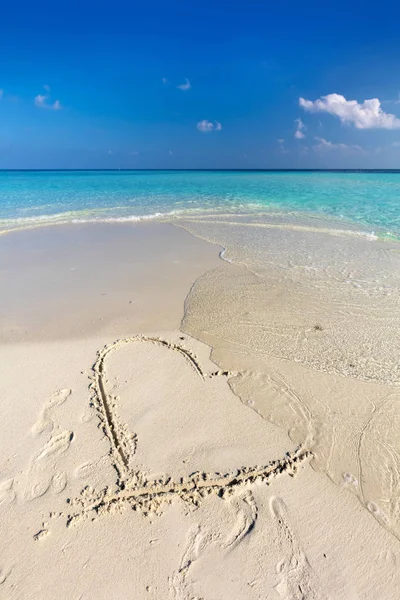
pixel 281 141
pixel 41 102
pixel 184 86
pixel 208 126
pixel 300 128
pixel 1 94
pixel 47 88
pixel 165 80
pixel 324 145
pixel 368 115
pixel 170 152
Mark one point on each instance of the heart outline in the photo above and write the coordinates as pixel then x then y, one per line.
pixel 133 487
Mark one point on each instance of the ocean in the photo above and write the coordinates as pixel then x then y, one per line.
pixel 369 200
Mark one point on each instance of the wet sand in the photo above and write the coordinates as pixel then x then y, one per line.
pixel 77 280
pixel 164 437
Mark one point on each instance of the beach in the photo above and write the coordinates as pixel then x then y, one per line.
pixel 199 301
pixel 206 408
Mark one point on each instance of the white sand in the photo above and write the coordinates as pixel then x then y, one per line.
pixel 220 510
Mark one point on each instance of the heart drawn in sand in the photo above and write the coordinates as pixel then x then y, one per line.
pixel 136 488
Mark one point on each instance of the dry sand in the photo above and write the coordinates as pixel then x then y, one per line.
pixel 129 466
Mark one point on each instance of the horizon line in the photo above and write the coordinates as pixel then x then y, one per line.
pixel 227 170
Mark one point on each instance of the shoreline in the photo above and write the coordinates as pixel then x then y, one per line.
pixel 252 408
pixel 97 276
pixel 174 217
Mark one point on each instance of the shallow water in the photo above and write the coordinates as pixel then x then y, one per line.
pixel 309 316
pixel 370 200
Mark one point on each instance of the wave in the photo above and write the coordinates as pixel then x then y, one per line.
pixel 78 217
pixel 97 216
pixel 370 235
pixel 203 215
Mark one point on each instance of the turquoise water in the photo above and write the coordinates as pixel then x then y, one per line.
pixel 27 199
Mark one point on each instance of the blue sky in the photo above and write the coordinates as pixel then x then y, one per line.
pixel 205 84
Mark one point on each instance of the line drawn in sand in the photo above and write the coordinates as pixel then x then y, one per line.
pixel 142 493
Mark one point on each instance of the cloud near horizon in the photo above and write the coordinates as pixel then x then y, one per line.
pixel 184 86
pixel 368 115
pixel 208 126
pixel 300 128
pixel 41 102
pixel 326 145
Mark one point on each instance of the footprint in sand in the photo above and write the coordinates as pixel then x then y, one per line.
pixel 246 512
pixel 43 470
pixel 297 579
pixel 7 493
pixel 201 540
pixel 43 467
pixel 59 482
pixel 45 419
pixel 179 584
